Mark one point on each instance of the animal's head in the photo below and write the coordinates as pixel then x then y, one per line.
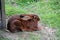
pixel 35 17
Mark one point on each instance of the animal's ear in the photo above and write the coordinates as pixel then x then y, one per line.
pixel 25 17
pixel 36 17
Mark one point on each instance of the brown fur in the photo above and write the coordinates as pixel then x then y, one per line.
pixel 23 22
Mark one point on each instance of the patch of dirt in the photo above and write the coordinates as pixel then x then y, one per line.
pixel 45 34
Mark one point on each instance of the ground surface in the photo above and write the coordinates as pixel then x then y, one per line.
pixel 44 34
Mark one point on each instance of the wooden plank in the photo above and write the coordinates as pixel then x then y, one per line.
pixel 2 14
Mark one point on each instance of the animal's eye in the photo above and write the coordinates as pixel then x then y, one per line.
pixel 21 16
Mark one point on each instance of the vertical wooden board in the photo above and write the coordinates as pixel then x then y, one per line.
pixel 2 14
pixel 0 20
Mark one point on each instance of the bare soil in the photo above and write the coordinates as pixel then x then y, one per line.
pixel 45 33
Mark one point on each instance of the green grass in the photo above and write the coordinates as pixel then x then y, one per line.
pixel 47 10
pixel 1 38
pixel 10 10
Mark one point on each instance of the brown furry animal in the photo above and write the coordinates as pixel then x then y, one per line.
pixel 23 22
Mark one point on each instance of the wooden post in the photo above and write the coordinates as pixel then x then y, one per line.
pixel 2 15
